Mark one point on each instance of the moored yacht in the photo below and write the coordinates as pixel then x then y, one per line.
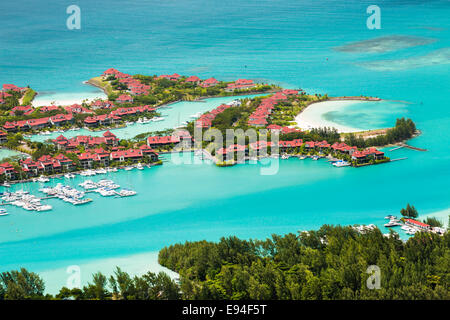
pixel 341 163
pixel 43 179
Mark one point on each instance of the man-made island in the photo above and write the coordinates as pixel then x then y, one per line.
pixel 138 98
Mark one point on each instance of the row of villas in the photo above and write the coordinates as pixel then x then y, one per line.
pixel 102 157
pixel 259 117
pixel 40 123
pixel 61 163
pixel 63 119
pixel 206 119
pixel 210 82
pixel 260 148
pixel 108 138
pixel 116 115
pixel 27 110
pixel 135 87
pixel 180 137
pixel 240 84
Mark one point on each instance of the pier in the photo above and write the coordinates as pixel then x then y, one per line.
pixel 396 148
pixel 392 160
pixel 412 148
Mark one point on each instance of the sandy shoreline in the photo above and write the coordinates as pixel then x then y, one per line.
pixel 67 99
pixel 312 116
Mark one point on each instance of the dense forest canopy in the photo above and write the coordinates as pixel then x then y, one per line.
pixel 330 263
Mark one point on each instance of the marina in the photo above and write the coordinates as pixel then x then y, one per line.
pixel 66 193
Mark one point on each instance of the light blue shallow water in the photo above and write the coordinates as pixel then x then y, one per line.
pixel 287 42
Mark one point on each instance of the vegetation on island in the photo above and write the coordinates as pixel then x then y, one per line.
pixel 404 129
pixel 328 264
pixel 163 90
pixel 409 211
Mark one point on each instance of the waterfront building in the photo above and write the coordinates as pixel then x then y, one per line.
pixel 417 224
pixel 8 170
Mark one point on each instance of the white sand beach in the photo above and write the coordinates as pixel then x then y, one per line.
pixel 66 99
pixel 312 116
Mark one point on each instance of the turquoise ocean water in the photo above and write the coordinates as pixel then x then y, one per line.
pixel 286 42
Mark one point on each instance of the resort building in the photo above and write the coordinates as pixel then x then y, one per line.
pixel 61 119
pixel 124 98
pixel 101 120
pixel 173 77
pixel 102 104
pixel 193 80
pixel 30 167
pixel 259 117
pixel 45 109
pixel 3 137
pixel 417 224
pixel 108 139
pixel 40 123
pixel 87 160
pixel 108 73
pixel 76 108
pixel 209 83
pixel 229 152
pixel 12 87
pixel 240 84
pixel 164 141
pixel 8 171
pixel 205 120
pixel 366 155
pixel 21 110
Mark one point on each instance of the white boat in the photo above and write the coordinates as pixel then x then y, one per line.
pixel 69 175
pixel 157 119
pixel 127 193
pixel 101 171
pixel 43 179
pixel 105 192
pixel 390 216
pixel 143 120
pixel 112 170
pixel 302 157
pixel 45 207
pixel 88 173
pixel 341 163
pixel 3 212
pixel 129 168
pixel 315 158
pixel 284 157
pixel 139 166
pixel 392 224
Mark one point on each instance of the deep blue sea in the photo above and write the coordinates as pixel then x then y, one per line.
pixel 291 43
